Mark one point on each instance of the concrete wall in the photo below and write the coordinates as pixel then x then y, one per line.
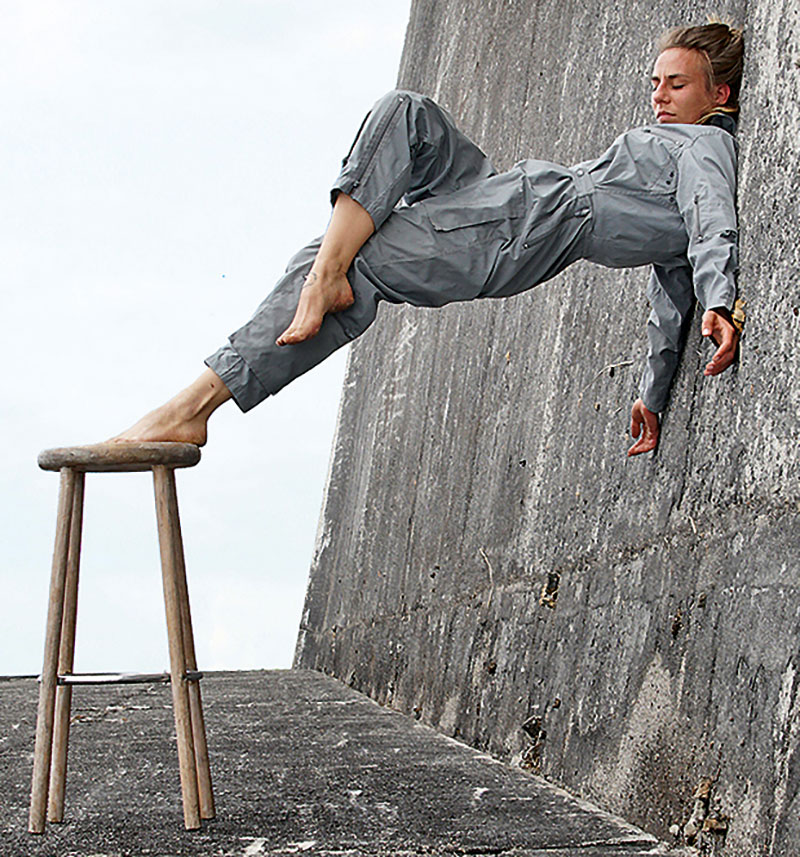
pixel 488 557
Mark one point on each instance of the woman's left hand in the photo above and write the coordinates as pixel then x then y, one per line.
pixel 718 325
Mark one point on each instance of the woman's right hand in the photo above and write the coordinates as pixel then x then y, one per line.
pixel 644 426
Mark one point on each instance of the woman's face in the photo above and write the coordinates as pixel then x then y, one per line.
pixel 680 87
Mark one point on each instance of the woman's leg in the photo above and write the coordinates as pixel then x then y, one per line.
pixel 184 417
pixel 408 147
pixel 326 288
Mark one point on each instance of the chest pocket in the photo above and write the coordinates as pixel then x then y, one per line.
pixel 667 180
pixel 638 162
pixel 497 198
pixel 660 167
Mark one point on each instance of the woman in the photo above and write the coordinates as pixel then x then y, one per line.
pixel 420 216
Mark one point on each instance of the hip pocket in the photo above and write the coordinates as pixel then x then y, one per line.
pixel 495 199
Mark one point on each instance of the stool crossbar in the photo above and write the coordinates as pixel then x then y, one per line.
pixel 58 679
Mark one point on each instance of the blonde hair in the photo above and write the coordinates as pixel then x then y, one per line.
pixel 722 48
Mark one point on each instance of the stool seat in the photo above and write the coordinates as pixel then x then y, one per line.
pixel 120 456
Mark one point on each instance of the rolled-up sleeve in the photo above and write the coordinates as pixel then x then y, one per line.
pixel 671 298
pixel 706 197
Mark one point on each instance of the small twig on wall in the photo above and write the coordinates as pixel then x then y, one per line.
pixel 603 371
pixel 482 552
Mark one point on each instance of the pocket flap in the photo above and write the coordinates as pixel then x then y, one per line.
pixel 487 201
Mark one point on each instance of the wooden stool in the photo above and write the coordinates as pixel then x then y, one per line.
pixel 55 693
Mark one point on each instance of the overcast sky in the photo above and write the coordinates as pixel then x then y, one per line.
pixel 160 163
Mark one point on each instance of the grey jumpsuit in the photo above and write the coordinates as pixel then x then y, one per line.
pixel 450 228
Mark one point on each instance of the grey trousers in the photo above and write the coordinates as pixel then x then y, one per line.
pixel 448 228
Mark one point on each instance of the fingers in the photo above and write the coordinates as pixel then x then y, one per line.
pixel 721 359
pixel 645 423
pixel 725 335
pixel 711 326
pixel 644 444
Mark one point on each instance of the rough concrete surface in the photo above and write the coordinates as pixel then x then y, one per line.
pixel 488 557
pixel 301 764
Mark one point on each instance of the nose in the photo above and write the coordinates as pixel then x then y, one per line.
pixel 660 94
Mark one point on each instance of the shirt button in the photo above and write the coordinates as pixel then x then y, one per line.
pixel 579 172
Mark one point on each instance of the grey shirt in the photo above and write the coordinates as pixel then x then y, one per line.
pixel 665 194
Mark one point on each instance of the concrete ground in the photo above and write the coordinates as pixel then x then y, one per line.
pixel 302 764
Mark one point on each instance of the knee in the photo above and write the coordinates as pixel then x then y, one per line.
pixel 393 95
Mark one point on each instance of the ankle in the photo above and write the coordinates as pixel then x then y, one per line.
pixel 330 268
pixel 202 397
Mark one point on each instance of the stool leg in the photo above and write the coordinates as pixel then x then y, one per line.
pixel 163 479
pixel 66 660
pixel 47 692
pixel 205 790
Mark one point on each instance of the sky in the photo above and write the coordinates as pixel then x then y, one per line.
pixel 161 161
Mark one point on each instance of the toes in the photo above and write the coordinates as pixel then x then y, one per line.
pixel 292 335
pixel 289 337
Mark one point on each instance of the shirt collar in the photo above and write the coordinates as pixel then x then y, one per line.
pixel 720 119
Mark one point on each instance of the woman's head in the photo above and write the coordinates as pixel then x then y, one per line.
pixel 698 71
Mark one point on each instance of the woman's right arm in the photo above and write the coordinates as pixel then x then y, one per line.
pixel 672 300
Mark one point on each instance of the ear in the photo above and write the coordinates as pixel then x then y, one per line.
pixel 722 92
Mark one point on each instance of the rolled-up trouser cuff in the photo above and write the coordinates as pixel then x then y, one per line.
pixel 378 207
pixel 245 388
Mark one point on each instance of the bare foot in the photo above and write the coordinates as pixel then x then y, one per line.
pixel 170 422
pixel 321 293
pixel 184 418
